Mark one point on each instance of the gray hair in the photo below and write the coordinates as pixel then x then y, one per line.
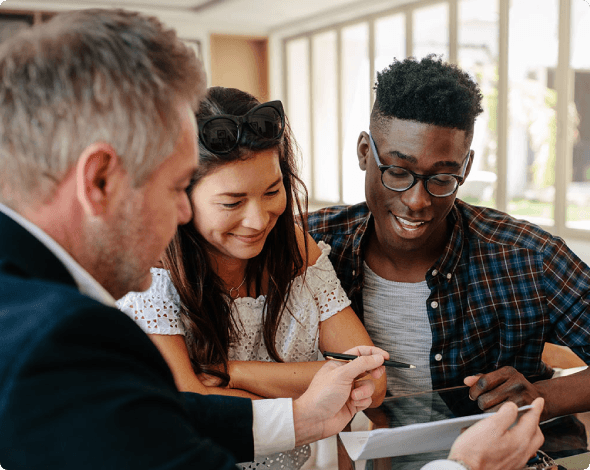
pixel 90 76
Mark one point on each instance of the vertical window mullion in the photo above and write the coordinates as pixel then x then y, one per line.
pixel 312 155
pixel 339 114
pixel 453 34
pixel 372 54
pixel 285 77
pixel 410 32
pixel 502 117
pixel 563 157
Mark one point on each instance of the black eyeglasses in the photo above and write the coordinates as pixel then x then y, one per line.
pixel 222 133
pixel 400 179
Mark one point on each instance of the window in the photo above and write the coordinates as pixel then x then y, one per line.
pixel 431 31
pixel 356 106
pixel 532 143
pixel 578 179
pixel 532 101
pixel 390 40
pixel 477 51
pixel 298 97
pixel 324 113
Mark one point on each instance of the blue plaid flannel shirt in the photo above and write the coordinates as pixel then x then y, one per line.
pixel 501 290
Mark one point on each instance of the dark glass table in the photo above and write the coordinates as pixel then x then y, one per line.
pixel 566 438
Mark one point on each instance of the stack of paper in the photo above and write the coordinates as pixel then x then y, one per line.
pixel 407 440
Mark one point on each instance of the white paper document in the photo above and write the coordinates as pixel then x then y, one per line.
pixel 407 440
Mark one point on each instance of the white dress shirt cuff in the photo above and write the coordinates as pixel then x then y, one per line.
pixel 443 465
pixel 273 426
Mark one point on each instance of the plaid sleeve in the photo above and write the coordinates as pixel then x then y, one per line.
pixel 567 290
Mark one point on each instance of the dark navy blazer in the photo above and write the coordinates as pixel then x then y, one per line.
pixel 82 387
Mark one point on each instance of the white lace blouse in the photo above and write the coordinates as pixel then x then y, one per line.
pixel 314 298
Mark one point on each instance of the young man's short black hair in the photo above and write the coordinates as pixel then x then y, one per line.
pixel 429 91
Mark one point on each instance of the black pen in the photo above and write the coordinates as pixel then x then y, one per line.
pixel 350 357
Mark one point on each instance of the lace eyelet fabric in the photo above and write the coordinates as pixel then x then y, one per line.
pixel 293 459
pixel 156 311
pixel 315 297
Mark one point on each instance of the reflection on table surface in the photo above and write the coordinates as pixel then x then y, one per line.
pixel 564 437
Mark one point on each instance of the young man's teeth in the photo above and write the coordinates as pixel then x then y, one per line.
pixel 407 222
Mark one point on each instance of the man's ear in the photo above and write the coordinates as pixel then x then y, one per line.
pixel 97 172
pixel 468 169
pixel 362 150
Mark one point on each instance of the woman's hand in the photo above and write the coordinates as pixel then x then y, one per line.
pixel 210 380
pixel 173 348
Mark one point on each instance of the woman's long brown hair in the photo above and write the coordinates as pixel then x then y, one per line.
pixel 206 307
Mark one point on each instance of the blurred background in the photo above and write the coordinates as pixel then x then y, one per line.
pixel 530 57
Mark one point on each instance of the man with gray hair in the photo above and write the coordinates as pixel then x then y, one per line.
pixel 97 147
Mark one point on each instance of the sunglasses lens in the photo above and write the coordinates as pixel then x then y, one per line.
pixel 267 122
pixel 220 135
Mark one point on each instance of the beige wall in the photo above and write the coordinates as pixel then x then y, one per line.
pixel 240 62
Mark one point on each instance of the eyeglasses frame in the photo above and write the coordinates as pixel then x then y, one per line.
pixel 383 168
pixel 240 121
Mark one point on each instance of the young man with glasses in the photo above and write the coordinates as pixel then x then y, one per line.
pixel 455 289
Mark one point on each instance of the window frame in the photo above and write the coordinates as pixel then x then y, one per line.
pixel 563 83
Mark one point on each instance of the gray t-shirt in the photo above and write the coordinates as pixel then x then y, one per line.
pixel 397 321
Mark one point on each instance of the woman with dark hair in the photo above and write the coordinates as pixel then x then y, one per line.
pixel 246 299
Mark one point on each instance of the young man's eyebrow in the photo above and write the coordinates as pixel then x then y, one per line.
pixel 411 159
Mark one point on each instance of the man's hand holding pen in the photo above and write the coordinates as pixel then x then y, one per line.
pixel 335 395
pixel 350 357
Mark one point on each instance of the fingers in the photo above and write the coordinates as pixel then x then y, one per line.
pixel 493 409
pixel 531 418
pixel 494 399
pixel 372 374
pixel 506 415
pixel 501 420
pixel 492 389
pixel 361 394
pixel 367 351
pixel 527 429
pixel 375 370
pixel 481 385
pixel 362 389
pixel 360 405
pixel 492 380
pixel 498 442
pixel 471 380
pixel 378 372
pixel 361 365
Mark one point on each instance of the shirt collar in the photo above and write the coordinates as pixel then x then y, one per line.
pixel 86 284
pixel 453 250
pixel 448 261
pixel 358 241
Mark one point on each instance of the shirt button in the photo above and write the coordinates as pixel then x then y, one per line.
pixel 434 304
pixel 449 276
pixel 434 272
pixel 438 357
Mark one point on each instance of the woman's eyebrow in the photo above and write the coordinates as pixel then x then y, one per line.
pixel 230 194
pixel 277 181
